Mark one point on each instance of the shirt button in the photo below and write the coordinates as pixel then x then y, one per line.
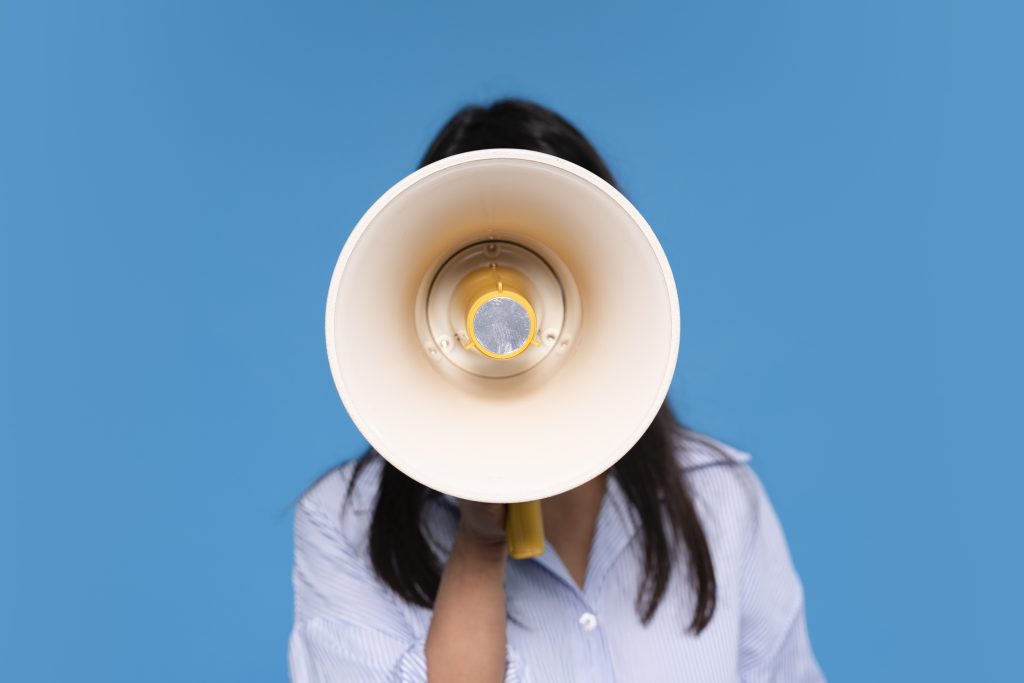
pixel 588 622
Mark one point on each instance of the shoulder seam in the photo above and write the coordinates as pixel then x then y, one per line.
pixel 695 459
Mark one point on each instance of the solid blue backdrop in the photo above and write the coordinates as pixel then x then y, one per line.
pixel 838 189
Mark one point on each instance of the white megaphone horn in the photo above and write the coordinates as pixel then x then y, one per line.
pixel 503 326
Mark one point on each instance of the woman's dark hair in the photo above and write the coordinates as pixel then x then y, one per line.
pixel 648 474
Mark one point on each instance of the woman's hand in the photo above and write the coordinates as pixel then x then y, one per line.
pixel 481 524
pixel 466 640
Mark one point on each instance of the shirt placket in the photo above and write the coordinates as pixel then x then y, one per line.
pixel 611 536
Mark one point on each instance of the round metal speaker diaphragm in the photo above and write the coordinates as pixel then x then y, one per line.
pixel 501 325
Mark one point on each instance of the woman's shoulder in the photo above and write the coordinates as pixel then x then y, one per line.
pixel 726 489
pixel 342 500
pixel 695 450
pixel 334 582
pixel 336 486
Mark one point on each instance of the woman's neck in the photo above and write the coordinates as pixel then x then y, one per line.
pixel 570 520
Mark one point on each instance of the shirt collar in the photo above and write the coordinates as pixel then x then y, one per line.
pixel 617 524
pixel 614 505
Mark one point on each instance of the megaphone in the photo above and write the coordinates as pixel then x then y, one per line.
pixel 502 326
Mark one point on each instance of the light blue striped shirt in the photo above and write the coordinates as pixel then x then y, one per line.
pixel 349 627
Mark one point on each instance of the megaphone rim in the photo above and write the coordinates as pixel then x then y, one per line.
pixel 488 155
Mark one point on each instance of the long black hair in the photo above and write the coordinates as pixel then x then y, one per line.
pixel 648 474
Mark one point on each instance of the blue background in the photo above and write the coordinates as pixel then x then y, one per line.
pixel 838 188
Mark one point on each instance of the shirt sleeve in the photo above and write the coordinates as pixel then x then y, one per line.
pixel 774 644
pixel 348 626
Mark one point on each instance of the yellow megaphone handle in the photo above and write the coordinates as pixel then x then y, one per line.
pixel 524 528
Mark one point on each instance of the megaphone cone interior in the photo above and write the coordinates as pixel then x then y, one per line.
pixel 502 325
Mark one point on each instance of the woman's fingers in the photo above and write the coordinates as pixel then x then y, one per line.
pixel 482 522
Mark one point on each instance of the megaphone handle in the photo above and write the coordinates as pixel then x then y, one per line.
pixel 524 528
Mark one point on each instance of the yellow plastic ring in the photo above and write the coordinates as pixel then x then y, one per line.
pixel 509 294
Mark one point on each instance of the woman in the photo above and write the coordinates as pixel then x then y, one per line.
pixel 670 566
